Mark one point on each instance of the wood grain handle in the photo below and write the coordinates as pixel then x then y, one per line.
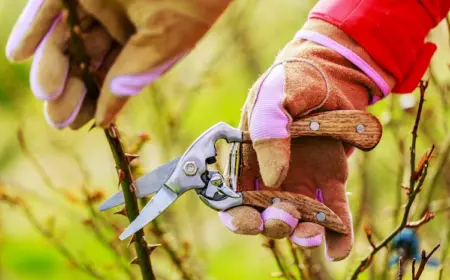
pixel 310 210
pixel 358 128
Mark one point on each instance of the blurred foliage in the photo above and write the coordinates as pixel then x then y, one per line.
pixel 210 85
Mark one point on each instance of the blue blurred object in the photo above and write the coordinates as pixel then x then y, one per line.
pixel 406 245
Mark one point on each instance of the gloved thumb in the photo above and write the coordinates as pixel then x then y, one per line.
pixel 269 127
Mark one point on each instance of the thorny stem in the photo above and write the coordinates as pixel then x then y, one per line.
pixel 415 186
pixel 131 204
pixel 113 137
pixel 48 234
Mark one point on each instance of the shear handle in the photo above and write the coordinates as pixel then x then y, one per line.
pixel 358 128
pixel 310 210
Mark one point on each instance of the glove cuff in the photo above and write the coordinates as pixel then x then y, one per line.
pixel 328 35
pixel 392 32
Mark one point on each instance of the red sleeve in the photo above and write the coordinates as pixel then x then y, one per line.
pixel 393 32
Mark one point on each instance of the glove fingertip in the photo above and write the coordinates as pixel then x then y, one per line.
pixel 273 159
pixel 307 242
pixel 107 108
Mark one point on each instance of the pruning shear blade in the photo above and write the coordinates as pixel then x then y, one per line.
pixel 146 185
pixel 160 202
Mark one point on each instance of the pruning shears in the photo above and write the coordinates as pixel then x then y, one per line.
pixel 190 171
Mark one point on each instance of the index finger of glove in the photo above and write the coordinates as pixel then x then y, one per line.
pixel 338 246
pixel 31 27
pixel 146 56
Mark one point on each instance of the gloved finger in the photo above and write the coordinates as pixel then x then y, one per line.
pixel 63 111
pixel 31 27
pixel 269 126
pixel 123 81
pixel 307 235
pixel 50 65
pixel 160 42
pixel 113 17
pixel 242 220
pixel 280 220
pixel 338 246
pixel 50 70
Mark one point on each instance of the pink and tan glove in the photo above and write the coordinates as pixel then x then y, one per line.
pixel 133 41
pixel 305 78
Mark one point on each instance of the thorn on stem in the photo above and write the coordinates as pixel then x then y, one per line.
pixel 120 174
pixel 135 260
pixel 131 157
pixel 152 247
pixel 132 240
pixel 122 212
pixel 94 125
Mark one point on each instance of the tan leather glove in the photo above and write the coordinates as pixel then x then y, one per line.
pixel 133 41
pixel 305 78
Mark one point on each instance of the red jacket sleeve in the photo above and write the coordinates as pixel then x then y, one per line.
pixel 393 32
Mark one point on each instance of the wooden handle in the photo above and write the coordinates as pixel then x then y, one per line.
pixel 310 210
pixel 355 127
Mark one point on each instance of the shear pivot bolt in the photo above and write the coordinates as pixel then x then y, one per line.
pixel 360 128
pixel 190 168
pixel 314 126
pixel 320 216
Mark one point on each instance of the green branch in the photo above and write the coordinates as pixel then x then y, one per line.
pixel 122 164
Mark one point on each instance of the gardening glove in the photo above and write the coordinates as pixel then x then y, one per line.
pixel 305 78
pixel 130 42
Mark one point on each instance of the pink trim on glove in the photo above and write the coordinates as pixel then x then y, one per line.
pixel 279 214
pixel 227 220
pixel 34 71
pixel 307 241
pixel 267 120
pixel 24 22
pixel 130 85
pixel 350 55
pixel 71 117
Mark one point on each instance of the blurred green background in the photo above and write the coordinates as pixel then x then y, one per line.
pixel 210 85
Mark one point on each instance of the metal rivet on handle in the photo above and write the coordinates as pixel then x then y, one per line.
pixel 320 216
pixel 314 126
pixel 276 200
pixel 360 128
pixel 190 168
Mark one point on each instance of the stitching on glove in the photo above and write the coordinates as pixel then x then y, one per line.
pixel 319 195
pixel 324 77
pixel 350 55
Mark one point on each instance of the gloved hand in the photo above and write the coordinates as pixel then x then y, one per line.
pixel 132 41
pixel 305 78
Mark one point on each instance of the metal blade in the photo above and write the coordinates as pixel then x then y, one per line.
pixel 160 202
pixel 145 185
